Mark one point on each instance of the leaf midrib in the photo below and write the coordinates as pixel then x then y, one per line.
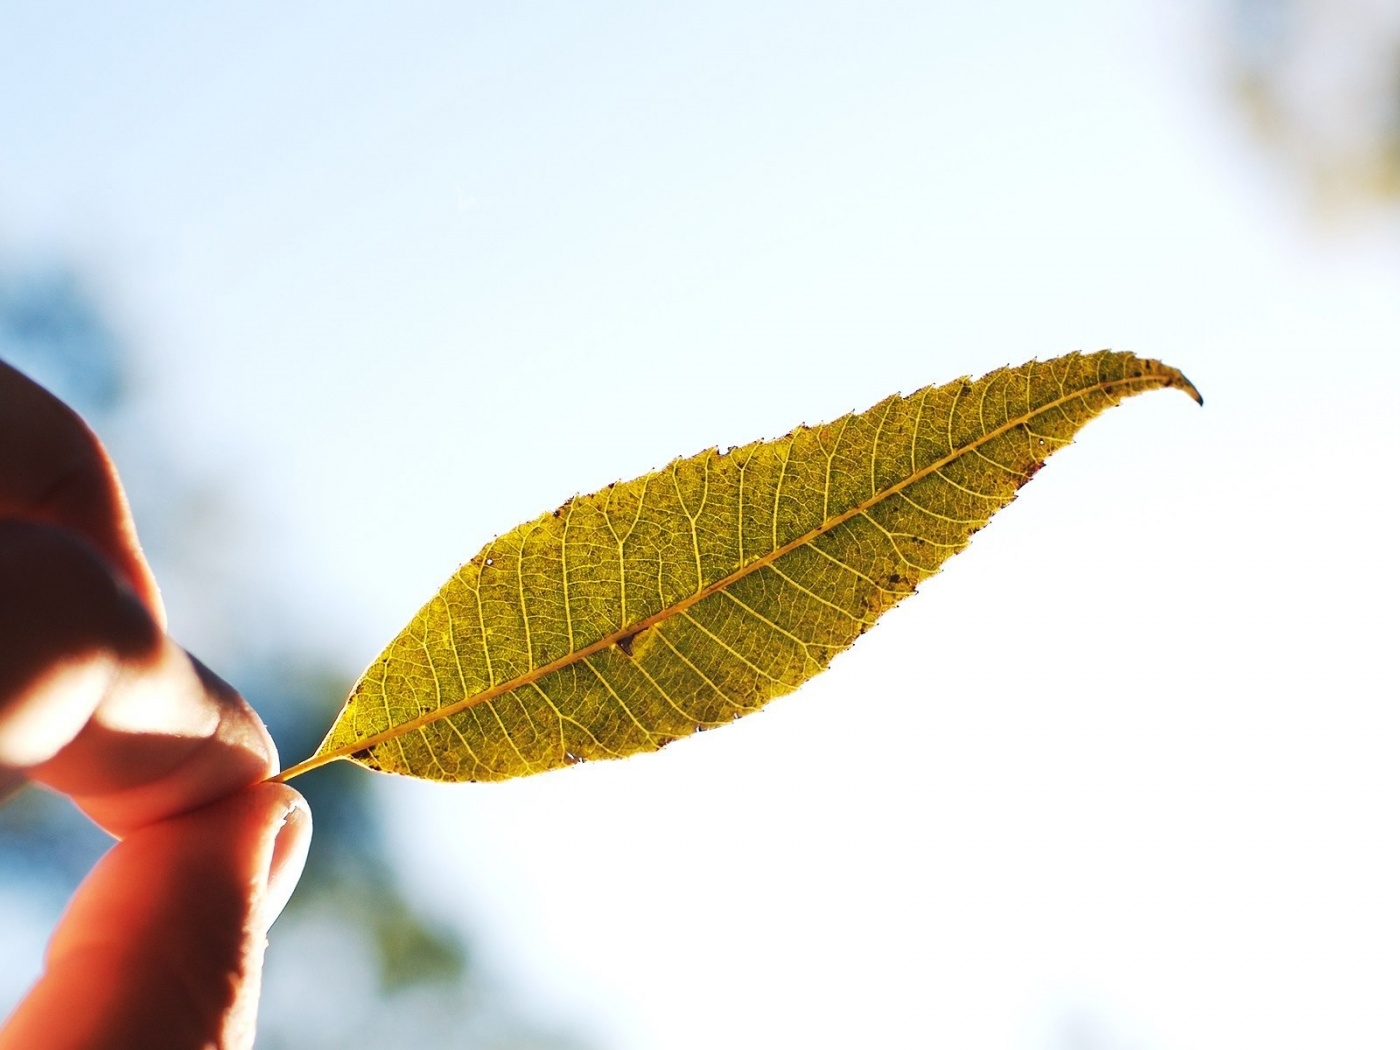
pixel 633 629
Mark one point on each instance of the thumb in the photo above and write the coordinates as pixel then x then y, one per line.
pixel 162 945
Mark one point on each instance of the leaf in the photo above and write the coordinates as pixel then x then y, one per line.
pixel 686 598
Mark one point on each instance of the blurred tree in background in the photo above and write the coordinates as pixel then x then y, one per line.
pixel 353 962
pixel 1319 81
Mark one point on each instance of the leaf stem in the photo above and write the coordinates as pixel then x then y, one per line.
pixel 304 766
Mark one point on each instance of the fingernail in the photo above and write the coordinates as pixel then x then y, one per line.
pixel 288 858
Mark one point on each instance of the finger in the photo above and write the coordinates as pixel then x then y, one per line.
pixel 98 704
pixel 162 945
pixel 53 469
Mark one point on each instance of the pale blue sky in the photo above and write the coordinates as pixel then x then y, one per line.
pixel 411 276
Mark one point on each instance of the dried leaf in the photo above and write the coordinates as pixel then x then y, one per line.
pixel 686 598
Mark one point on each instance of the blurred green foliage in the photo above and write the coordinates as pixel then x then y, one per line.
pixel 1319 84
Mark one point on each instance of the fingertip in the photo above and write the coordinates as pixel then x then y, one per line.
pixel 291 843
pixel 168 931
pixel 169 736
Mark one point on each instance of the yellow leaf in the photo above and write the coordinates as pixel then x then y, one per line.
pixel 688 597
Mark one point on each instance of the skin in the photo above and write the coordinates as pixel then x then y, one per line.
pixel 162 945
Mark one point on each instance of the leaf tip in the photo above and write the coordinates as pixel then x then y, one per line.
pixel 1167 376
pixel 1188 387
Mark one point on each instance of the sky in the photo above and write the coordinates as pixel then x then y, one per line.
pixel 1120 776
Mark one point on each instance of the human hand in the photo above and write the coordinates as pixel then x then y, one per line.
pixel 162 944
